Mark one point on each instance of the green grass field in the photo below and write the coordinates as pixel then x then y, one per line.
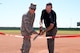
pixel 66 32
pixel 10 31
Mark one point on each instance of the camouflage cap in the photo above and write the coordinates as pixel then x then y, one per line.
pixel 32 6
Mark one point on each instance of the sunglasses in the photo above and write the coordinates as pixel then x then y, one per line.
pixel 32 9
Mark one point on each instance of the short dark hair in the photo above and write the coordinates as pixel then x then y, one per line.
pixel 49 4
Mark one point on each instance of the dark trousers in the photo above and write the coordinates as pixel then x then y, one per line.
pixel 50 44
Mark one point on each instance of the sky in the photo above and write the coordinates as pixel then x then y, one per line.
pixel 11 11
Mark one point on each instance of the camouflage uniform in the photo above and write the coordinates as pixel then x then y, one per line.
pixel 26 31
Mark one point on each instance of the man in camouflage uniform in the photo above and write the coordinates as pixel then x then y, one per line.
pixel 27 28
